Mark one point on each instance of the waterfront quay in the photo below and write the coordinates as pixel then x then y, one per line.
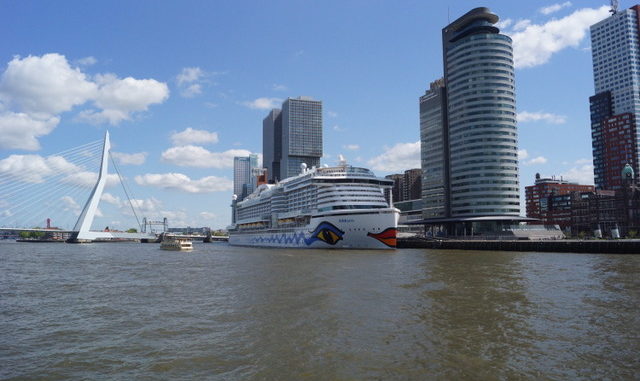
pixel 602 246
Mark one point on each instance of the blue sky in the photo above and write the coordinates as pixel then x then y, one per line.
pixel 183 87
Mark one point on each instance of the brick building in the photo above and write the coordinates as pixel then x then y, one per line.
pixel 549 200
pixel 406 186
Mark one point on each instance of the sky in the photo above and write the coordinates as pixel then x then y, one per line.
pixel 182 87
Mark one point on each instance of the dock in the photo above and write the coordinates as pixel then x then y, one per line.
pixel 599 246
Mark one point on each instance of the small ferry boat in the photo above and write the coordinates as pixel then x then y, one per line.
pixel 172 242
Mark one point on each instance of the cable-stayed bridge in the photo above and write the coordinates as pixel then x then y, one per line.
pixel 34 187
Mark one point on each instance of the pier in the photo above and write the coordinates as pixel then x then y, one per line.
pixel 626 246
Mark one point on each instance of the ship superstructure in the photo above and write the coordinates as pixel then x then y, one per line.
pixel 326 207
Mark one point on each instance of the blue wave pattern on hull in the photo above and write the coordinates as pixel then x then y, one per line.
pixel 325 232
pixel 296 238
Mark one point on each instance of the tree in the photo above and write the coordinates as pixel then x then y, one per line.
pixel 132 230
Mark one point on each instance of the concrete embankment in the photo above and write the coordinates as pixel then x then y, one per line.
pixel 559 246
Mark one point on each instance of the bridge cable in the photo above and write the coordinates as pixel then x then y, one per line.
pixel 125 191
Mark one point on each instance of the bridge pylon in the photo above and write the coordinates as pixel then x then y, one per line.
pixel 82 232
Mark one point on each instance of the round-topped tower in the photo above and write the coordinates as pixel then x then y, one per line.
pixel 481 112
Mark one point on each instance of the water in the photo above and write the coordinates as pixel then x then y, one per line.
pixel 131 311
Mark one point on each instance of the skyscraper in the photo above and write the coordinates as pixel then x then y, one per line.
pixel 468 125
pixel 434 151
pixel 243 181
pixel 301 134
pixel 615 107
pixel 272 143
pixel 292 136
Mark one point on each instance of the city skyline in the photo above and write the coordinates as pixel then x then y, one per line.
pixel 190 111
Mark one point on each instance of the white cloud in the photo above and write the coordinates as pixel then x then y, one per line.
pixel 111 199
pixel 191 90
pixel 554 8
pixel 332 114
pixel 537 160
pixel 400 157
pixel 534 44
pixel 46 85
pixel 88 179
pixel 338 128
pixel 143 206
pixel 208 215
pixel 177 217
pixel 351 147
pixel 263 103
pixel 195 156
pixel 182 182
pixel 119 98
pixel 190 81
pixel 129 158
pixel 35 168
pixel 503 24
pixel 522 154
pixel 21 131
pixel 190 135
pixel 278 87
pixel 70 205
pixel 526 116
pixel 521 25
pixel 581 175
pixel 189 75
pixel 584 161
pixel 87 61
pixel 35 90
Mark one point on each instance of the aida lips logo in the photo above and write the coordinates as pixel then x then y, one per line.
pixel 388 236
pixel 325 232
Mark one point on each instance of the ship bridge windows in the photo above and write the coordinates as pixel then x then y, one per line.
pixel 343 207
pixel 354 181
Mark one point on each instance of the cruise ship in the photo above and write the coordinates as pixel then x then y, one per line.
pixel 340 207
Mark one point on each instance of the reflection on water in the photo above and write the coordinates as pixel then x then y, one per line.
pixel 122 311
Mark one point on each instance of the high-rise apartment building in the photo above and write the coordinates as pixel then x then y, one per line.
pixel 406 186
pixel 396 191
pixel 468 126
pixel 412 189
pixel 243 180
pixel 292 136
pixel 615 108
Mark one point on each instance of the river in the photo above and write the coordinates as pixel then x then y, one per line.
pixel 127 311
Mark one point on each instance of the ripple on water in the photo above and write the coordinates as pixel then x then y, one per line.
pixel 131 311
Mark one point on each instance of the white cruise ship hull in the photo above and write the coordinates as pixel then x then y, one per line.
pixel 352 230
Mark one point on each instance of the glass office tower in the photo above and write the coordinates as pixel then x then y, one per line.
pixel 615 107
pixel 301 134
pixel 292 136
pixel 243 181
